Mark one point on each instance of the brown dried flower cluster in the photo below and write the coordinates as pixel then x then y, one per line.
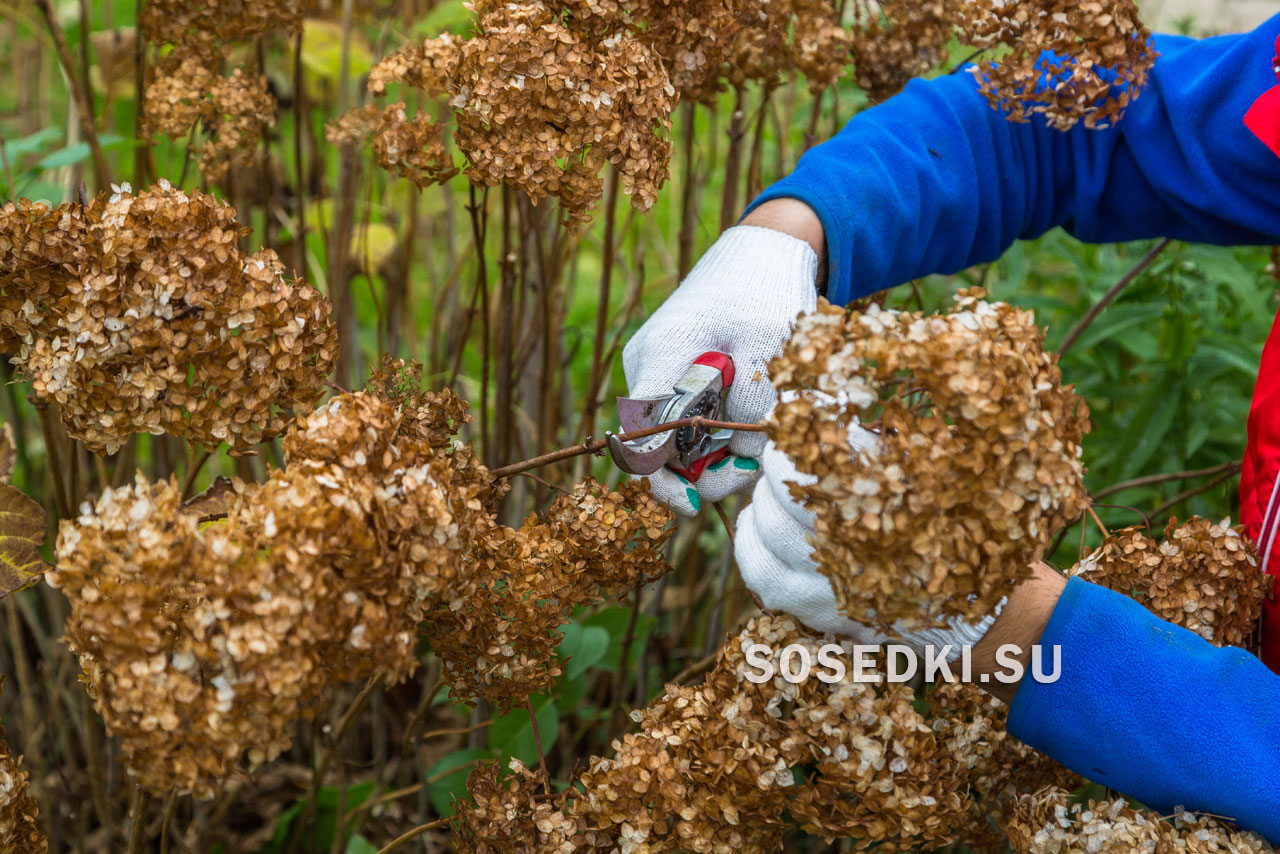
pixel 542 101
pixel 976 469
pixel 204 642
pixel 780 36
pixel 711 768
pixel 185 92
pixel 507 815
pixel 141 314
pixel 192 24
pixel 998 768
pixel 1047 822
pixel 19 812
pixel 496 629
pixel 1067 60
pixel 1203 576
pixel 694 39
pixel 896 40
pixel 412 148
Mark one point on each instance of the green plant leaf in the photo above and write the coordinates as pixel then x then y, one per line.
pixel 79 151
pixel 614 621
pixel 583 646
pixel 15 148
pixel 22 531
pixel 447 779
pixel 512 734
pixel 359 845
pixel 322 50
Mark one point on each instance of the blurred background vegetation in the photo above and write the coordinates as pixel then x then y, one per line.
pixel 1167 368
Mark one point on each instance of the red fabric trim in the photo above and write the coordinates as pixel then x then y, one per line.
pixel 1263 119
pixel 1261 468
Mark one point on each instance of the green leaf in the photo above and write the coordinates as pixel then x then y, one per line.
pixel 359 845
pixel 614 621
pixel 451 16
pixel 16 148
pixel 22 531
pixel 448 777
pixel 322 50
pixel 512 734
pixel 78 152
pixel 583 646
pixel 1113 320
pixel 1147 429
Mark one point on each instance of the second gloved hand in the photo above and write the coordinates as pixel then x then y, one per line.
pixel 774 549
pixel 741 299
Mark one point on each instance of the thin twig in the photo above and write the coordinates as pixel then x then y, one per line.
pixel 593 446
pixel 724 518
pixel 84 108
pixel 545 482
pixel 138 832
pixel 537 742
pixel 457 730
pixel 1151 479
pixel 412 834
pixel 1183 496
pixel 192 471
pixel 1101 527
pixel 1083 324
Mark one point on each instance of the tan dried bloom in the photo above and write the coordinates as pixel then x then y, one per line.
pixel 976 469
pixel 712 766
pixel 998 768
pixel 896 40
pixel 184 91
pixel 410 148
pixel 694 38
pixel 1103 56
pixel 20 831
pixel 781 36
pixel 1047 822
pixel 508 815
pixel 190 23
pixel 497 627
pixel 543 101
pixel 139 313
pixel 1204 576
pixel 203 643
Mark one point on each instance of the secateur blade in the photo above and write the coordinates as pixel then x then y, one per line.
pixel 686 450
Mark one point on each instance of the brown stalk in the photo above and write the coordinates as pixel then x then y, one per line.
pixel 138 830
pixel 84 107
pixel 596 445
pixel 299 167
pixel 733 160
pixel 504 334
pixel 537 743
pixel 598 365
pixel 1151 479
pixel 624 656
pixel 1084 322
pixel 478 211
pixel 757 144
pixel 688 203
pixel 1193 491
pixel 412 834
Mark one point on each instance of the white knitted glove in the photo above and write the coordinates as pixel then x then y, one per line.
pixel 774 555
pixel 742 299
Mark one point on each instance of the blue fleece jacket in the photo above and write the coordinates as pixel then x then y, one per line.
pixel 934 181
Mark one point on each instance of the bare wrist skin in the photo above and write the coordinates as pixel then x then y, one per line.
pixel 1021 623
pixel 794 217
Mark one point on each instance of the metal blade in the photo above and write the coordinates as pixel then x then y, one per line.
pixel 643 456
pixel 636 413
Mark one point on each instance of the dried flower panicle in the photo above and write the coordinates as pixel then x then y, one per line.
pixel 976 468
pixel 896 40
pixel 1067 61
pixel 1204 576
pixel 139 313
pixel 543 101
pixel 412 148
pixel 193 23
pixel 694 39
pixel 776 38
pixel 998 768
pixel 19 811
pixel 507 814
pixel 202 643
pixel 711 768
pixel 496 629
pixel 1048 822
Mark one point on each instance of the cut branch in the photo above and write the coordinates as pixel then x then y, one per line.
pixel 1079 328
pixel 595 446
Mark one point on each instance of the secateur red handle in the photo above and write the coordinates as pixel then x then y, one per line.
pixel 724 364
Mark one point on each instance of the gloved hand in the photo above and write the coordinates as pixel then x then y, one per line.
pixel 741 299
pixel 773 546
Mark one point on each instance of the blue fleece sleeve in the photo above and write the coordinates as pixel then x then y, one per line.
pixel 934 180
pixel 1153 711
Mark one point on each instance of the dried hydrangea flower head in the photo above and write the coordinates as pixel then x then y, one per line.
pixel 896 40
pixel 20 831
pixel 1204 576
pixel 185 91
pixel 997 767
pixel 1067 60
pixel 777 37
pixel 139 313
pixel 977 466
pixel 1050 822
pixel 711 768
pixel 497 628
pixel 506 815
pixel 412 148
pixel 694 38
pixel 188 23
pixel 204 643
pixel 542 101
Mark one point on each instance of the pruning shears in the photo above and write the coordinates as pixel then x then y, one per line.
pixel 687 450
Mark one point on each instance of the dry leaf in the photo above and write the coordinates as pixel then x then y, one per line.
pixel 22 531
